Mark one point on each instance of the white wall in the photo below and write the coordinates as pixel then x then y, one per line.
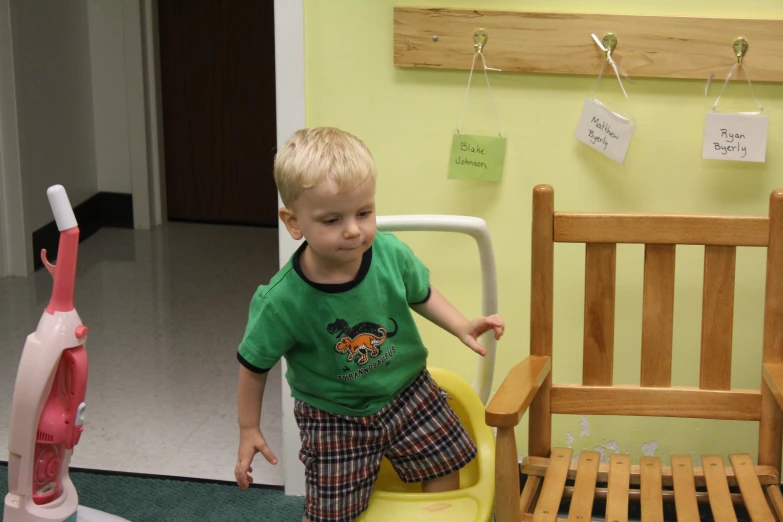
pixel 54 102
pixel 70 91
pixel 109 93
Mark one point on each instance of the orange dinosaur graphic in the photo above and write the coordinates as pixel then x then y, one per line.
pixel 364 339
pixel 365 344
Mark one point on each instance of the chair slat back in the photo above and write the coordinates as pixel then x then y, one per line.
pixel 660 234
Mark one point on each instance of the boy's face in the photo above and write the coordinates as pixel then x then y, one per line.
pixel 338 227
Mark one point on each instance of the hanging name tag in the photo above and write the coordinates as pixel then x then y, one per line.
pixel 475 157
pixel 735 137
pixel 604 130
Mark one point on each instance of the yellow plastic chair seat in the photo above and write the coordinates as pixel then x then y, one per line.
pixel 393 500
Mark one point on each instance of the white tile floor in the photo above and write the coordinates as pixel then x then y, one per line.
pixel 166 309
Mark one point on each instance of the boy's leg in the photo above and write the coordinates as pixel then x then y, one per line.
pixel 429 444
pixel 439 485
pixel 342 457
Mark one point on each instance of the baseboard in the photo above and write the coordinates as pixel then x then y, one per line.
pixel 104 209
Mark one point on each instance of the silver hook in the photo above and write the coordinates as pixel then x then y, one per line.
pixel 610 42
pixel 479 39
pixel 740 48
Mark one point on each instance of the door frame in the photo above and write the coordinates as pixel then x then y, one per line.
pixel 149 190
pixel 15 258
pixel 290 103
pixel 142 63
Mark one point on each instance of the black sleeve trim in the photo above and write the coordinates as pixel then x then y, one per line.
pixel 252 368
pixel 429 293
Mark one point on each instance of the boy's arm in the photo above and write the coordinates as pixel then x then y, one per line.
pixel 250 394
pixel 250 391
pixel 441 312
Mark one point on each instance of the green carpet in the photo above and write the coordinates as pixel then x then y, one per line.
pixel 150 499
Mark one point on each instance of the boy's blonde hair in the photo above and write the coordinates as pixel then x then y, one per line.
pixel 313 155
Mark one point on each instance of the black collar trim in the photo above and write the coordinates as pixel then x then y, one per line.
pixel 334 288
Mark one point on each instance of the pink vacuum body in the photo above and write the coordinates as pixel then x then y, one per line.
pixel 61 422
pixel 60 426
pixel 47 413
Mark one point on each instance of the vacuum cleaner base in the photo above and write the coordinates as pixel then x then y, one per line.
pixel 85 514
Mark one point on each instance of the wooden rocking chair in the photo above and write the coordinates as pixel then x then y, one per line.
pixel 529 384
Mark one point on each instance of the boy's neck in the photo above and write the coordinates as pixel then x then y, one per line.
pixel 321 271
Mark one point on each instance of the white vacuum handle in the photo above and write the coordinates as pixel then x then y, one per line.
pixel 61 208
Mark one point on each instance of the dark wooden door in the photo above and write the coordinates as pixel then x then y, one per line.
pixel 218 103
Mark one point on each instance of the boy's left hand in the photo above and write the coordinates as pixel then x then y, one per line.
pixel 476 327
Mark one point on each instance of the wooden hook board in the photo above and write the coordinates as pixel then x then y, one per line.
pixel 560 43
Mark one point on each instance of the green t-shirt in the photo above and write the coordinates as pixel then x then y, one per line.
pixel 350 347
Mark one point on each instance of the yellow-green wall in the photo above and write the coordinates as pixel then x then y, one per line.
pixel 407 117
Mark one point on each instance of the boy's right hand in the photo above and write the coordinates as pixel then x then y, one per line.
pixel 251 441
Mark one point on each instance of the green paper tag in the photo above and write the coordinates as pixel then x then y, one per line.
pixel 477 157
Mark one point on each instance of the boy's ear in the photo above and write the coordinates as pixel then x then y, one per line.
pixel 288 218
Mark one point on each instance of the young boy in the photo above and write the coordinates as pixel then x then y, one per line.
pixel 340 313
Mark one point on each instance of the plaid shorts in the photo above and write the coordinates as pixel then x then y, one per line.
pixel 417 431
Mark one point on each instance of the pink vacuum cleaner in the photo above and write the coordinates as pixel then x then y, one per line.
pixel 47 414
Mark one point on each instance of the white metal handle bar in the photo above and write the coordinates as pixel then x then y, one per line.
pixel 477 229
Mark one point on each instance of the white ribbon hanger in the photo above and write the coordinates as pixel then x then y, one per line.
pixel 479 45
pixel 740 47
pixel 610 60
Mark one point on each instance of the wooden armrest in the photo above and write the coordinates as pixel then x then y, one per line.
pixel 773 376
pixel 518 390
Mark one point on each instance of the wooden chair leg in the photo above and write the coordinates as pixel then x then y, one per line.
pixel 776 499
pixel 529 493
pixel 506 476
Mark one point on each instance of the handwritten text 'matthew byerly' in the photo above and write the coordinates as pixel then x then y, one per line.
pixel 602 132
pixel 474 149
pixel 731 138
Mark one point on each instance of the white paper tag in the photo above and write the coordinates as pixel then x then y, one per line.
pixel 735 137
pixel 604 130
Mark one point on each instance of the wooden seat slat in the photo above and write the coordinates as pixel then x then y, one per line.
pixel 554 483
pixel 684 489
pixel 718 489
pixel 752 494
pixel 619 482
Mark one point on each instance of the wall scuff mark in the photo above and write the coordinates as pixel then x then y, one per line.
pixel 585 427
pixel 650 448
pixel 601 450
